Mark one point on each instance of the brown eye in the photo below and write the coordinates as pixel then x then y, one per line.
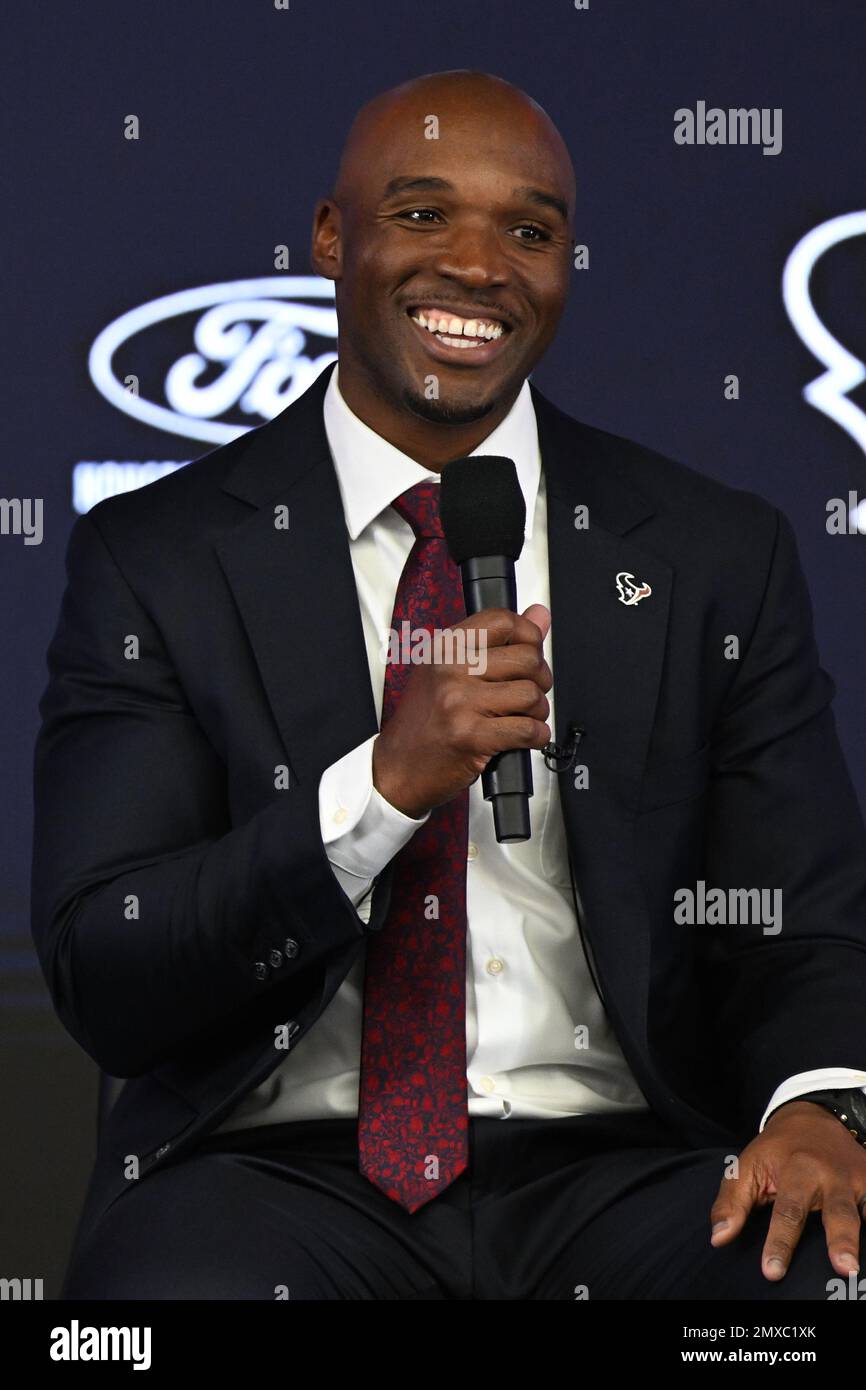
pixel 530 227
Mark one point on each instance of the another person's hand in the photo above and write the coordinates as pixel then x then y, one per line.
pixel 804 1161
pixel 451 719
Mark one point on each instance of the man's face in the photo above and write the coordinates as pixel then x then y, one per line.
pixel 455 261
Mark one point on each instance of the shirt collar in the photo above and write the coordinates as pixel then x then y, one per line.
pixel 371 472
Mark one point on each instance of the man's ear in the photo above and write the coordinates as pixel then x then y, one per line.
pixel 326 247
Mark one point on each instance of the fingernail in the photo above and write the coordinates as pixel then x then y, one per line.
pixel 720 1226
pixel 849 1264
pixel 775 1266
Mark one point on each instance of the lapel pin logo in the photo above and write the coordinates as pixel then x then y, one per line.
pixel 630 592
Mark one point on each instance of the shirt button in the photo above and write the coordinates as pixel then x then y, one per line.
pixel 487 1084
pixel 291 948
pixel 495 966
pixel 340 816
pixel 472 851
pixel 261 970
pixel 275 957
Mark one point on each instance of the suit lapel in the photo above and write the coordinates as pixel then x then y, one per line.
pixel 607 654
pixel 295 588
pixel 607 666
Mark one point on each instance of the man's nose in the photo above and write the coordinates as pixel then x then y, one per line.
pixel 473 255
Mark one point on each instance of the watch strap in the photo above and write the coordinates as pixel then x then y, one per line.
pixel 849 1106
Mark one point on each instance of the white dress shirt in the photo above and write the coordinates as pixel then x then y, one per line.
pixel 538 1042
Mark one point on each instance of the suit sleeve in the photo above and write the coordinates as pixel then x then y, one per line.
pixel 783 816
pixel 157 922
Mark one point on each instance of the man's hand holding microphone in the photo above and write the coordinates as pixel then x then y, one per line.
pixel 453 718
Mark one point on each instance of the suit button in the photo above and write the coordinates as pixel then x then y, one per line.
pixel 261 970
pixel 291 948
pixel 164 1150
pixel 275 958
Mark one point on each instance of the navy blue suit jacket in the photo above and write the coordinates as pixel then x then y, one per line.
pixel 155 782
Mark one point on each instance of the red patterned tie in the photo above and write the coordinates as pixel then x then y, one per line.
pixel 412 1115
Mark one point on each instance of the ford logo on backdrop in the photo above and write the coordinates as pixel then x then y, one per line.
pixel 254 346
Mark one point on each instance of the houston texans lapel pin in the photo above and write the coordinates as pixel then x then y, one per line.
pixel 630 592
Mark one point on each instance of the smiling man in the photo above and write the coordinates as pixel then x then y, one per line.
pixel 370 1051
pixel 450 245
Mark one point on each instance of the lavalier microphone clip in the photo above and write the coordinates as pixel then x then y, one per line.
pixel 559 758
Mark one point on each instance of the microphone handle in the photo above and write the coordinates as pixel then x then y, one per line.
pixel 489 582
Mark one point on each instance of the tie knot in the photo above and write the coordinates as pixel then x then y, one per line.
pixel 419 505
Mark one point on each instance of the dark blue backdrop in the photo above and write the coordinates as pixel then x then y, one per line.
pixel 242 108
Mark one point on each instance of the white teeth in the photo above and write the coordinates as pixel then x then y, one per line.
pixel 459 332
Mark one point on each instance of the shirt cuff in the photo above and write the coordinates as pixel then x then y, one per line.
pixel 824 1079
pixel 361 831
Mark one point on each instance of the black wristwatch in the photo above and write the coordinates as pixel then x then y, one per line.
pixel 847 1106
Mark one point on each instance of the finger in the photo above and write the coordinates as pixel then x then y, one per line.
pixel 503 627
pixel 518 662
pixel 790 1210
pixel 518 731
pixel 513 697
pixel 517 659
pixel 538 614
pixel 730 1211
pixel 841 1220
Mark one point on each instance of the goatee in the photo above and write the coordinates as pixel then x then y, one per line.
pixel 444 412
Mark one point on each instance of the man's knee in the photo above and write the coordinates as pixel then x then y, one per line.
pixel 190 1232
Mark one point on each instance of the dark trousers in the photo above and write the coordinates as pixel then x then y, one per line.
pixel 594 1206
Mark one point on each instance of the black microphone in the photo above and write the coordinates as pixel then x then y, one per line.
pixel 483 517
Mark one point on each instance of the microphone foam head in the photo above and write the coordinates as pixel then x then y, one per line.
pixel 481 507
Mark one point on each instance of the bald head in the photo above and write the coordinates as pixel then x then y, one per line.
pixel 460 104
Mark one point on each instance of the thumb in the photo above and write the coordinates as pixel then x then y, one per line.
pixel 538 614
pixel 734 1201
